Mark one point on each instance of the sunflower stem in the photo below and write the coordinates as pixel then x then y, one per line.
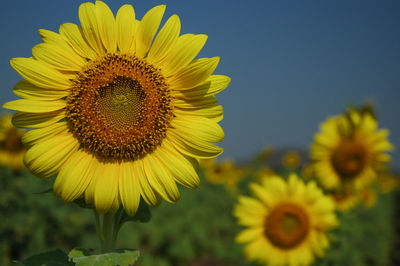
pixel 117 226
pixel 98 229
pixel 108 224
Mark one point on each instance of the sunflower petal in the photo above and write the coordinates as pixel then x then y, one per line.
pixel 106 186
pixel 129 189
pixel 73 34
pixel 37 120
pixel 106 24
pixel 40 74
pixel 27 90
pixel 35 106
pixel 165 39
pixel 147 29
pixel 90 27
pixel 125 27
pixel 149 195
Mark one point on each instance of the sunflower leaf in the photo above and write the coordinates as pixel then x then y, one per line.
pixel 122 257
pixel 55 257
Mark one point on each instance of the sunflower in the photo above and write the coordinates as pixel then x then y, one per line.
pixel 349 151
pixel 118 112
pixel 345 200
pixel 222 173
pixel 11 148
pixel 286 221
pixel 291 159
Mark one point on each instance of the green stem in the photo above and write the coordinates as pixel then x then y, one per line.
pixel 116 228
pixel 98 229
pixel 108 223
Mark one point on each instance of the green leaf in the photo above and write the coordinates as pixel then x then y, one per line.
pixel 50 258
pixel 121 257
pixel 142 215
pixel 80 252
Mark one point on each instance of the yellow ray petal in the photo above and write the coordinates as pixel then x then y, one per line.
pixel 106 26
pixel 203 128
pixel 37 120
pixel 195 73
pixel 40 74
pixel 160 179
pixel 73 34
pixel 125 28
pixel 215 112
pixel 35 106
pixel 106 186
pixel 147 29
pixel 149 195
pixel 32 136
pixel 90 27
pixel 46 158
pixel 129 188
pixel 165 39
pixel 27 90
pixel 186 48
pixel 75 175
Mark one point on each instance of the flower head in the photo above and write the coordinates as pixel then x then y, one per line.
pixel 11 148
pixel 349 151
pixel 118 112
pixel 286 222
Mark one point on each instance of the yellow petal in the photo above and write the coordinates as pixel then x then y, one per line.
pixel 180 166
pixel 106 24
pixel 215 112
pixel 195 73
pixel 147 29
pixel 186 48
pixel 37 120
pixel 46 158
pixel 129 188
pixel 72 33
pixel 193 147
pixel 33 136
pixel 35 106
pixel 106 186
pixel 58 57
pixel 211 86
pixel 75 176
pixel 200 127
pixel 27 90
pixel 149 195
pixel 90 28
pixel 40 74
pixel 125 27
pixel 160 179
pixel 165 39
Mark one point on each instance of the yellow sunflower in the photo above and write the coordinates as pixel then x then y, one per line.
pixel 349 150
pixel 291 159
pixel 117 111
pixel 345 200
pixel 223 173
pixel 11 148
pixel 286 221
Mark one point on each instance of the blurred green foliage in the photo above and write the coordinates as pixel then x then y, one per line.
pixel 199 230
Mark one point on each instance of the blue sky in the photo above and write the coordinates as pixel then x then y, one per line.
pixel 292 63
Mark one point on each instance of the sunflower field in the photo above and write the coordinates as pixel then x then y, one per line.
pixel 110 155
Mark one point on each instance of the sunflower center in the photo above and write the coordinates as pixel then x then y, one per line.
pixel 119 107
pixel 349 159
pixel 12 142
pixel 287 225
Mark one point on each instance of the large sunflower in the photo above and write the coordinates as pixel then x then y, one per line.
pixel 286 221
pixel 349 151
pixel 11 148
pixel 115 114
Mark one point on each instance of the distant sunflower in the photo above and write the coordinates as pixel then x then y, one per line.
pixel 11 148
pixel 291 159
pixel 286 221
pixel 345 200
pixel 222 173
pixel 349 150
pixel 115 114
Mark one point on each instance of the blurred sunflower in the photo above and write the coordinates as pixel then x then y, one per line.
pixel 349 150
pixel 116 114
pixel 345 200
pixel 291 159
pixel 286 221
pixel 388 181
pixel 307 170
pixel 368 197
pixel 11 148
pixel 222 173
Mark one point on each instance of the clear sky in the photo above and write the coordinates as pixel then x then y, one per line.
pixel 292 63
